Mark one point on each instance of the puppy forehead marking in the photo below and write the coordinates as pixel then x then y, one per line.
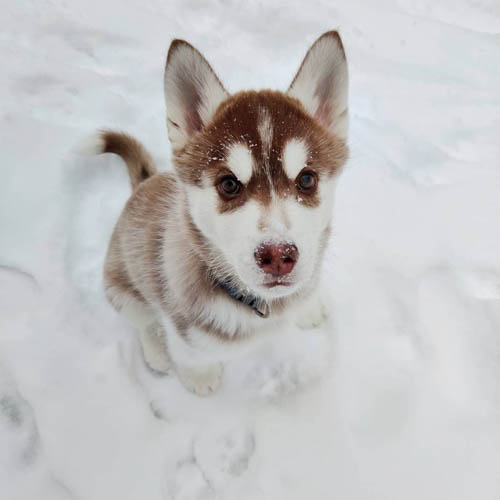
pixel 240 162
pixel 265 128
pixel 295 155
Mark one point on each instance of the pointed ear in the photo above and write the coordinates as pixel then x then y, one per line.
pixel 192 92
pixel 321 84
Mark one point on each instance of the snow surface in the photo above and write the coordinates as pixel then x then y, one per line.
pixel 397 397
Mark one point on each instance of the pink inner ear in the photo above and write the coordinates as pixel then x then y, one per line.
pixel 324 91
pixel 324 113
pixel 193 121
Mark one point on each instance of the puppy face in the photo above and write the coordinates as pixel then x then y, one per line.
pixel 259 167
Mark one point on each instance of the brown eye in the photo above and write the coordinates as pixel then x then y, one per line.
pixel 306 181
pixel 228 186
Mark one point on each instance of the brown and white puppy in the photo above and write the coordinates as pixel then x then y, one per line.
pixel 231 242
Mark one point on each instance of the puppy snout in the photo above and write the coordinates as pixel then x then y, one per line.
pixel 277 259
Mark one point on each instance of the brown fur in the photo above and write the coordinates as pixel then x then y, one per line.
pixel 139 163
pixel 133 260
pixel 237 121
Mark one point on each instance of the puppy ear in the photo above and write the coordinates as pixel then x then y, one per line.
pixel 192 92
pixel 321 84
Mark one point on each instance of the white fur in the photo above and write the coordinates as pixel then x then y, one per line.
pixel 286 220
pixel 194 366
pixel 240 162
pixel 201 379
pixel 265 129
pixel 294 157
pixel 138 313
pixel 151 334
pixel 93 144
pixel 322 81
pixel 154 347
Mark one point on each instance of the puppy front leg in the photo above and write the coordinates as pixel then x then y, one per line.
pixel 197 372
pixel 151 334
pixel 154 347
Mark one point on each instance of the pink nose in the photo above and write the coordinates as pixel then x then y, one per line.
pixel 277 260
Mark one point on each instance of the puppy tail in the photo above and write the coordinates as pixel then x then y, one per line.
pixel 139 162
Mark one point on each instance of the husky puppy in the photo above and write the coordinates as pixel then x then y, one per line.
pixel 229 245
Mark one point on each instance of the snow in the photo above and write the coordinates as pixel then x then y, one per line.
pixel 397 396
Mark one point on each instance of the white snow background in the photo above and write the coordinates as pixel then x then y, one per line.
pixel 396 397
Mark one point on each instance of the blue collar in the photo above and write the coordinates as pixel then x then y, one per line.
pixel 259 306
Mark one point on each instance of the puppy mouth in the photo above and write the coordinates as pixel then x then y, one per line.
pixel 273 284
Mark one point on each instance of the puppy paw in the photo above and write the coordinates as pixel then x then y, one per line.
pixel 313 315
pixel 154 348
pixel 202 381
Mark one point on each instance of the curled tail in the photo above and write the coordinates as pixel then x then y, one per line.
pixel 139 162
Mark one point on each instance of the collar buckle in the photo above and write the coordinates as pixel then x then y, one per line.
pixel 262 309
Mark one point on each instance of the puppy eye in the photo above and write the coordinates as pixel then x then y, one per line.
pixel 306 181
pixel 228 186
